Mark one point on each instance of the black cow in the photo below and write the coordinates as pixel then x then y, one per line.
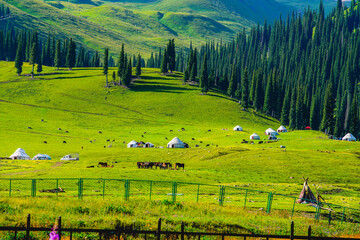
pixel 179 165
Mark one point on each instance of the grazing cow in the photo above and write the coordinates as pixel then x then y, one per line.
pixel 99 132
pixel 67 131
pixel 64 141
pixel 197 146
pixel 209 130
pixel 139 164
pixel 193 139
pixel 171 130
pixel 179 165
pixel 29 127
pixel 142 135
pixel 109 146
pixel 144 132
pixel 42 120
pixel 113 140
pixel 103 164
pixel 166 138
pixel 260 142
pixel 207 145
pixel 200 141
pixel 59 128
pixel 108 140
pixel 45 141
pixel 82 147
pixel 89 166
pixel 182 129
pixel 90 141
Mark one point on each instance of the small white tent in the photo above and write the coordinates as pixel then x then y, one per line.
pixel 281 129
pixel 132 144
pixel 40 156
pixel 148 145
pixel 237 128
pixel 20 154
pixel 254 136
pixel 349 137
pixel 271 131
pixel 176 143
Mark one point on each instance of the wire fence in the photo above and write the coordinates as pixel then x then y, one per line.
pixel 158 234
pixel 174 192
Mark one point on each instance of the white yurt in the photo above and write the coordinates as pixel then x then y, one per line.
pixel 148 145
pixel 271 131
pixel 237 128
pixel 349 137
pixel 132 144
pixel 254 136
pixel 41 156
pixel 281 129
pixel 176 143
pixel 20 154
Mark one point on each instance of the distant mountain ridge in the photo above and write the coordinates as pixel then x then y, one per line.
pixel 145 25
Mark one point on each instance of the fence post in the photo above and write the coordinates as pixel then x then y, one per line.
pixel 59 228
pixel 246 191
pixel 329 217
pixel 57 187
pixel 159 229
pixel 292 212
pixel 174 190
pixel 10 189
pixel 28 228
pixel 103 188
pixel 80 188
pixel 268 208
pixel 150 189
pixel 127 189
pixel 197 195
pixel 221 195
pixel 292 230
pixel 182 231
pixel 309 233
pixel 33 188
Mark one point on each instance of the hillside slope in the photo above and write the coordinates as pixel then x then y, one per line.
pixel 143 25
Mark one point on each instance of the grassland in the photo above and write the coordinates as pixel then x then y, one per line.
pixel 78 102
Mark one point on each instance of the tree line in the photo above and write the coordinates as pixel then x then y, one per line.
pixel 4 11
pixel 303 71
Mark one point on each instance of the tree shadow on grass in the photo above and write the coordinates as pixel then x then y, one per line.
pixel 158 88
pixel 153 83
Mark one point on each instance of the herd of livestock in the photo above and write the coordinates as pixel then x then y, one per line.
pixel 161 165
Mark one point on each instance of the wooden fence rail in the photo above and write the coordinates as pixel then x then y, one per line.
pixel 158 233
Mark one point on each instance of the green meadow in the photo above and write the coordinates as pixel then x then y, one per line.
pixel 98 122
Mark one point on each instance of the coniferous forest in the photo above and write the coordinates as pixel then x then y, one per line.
pixel 303 70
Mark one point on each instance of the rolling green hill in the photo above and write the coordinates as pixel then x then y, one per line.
pixel 97 122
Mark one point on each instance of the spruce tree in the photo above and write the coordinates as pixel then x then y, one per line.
pixel 186 76
pixel 164 63
pixel 138 66
pixel 114 78
pixel 204 78
pixel 354 117
pixel 19 59
pixel 286 108
pixel 71 55
pixel 128 73
pixel 233 82
pixel 327 123
pixel 245 90
pixel 39 68
pixel 106 65
pixel 292 117
pixel 121 64
pixel 32 58
pixel 57 59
